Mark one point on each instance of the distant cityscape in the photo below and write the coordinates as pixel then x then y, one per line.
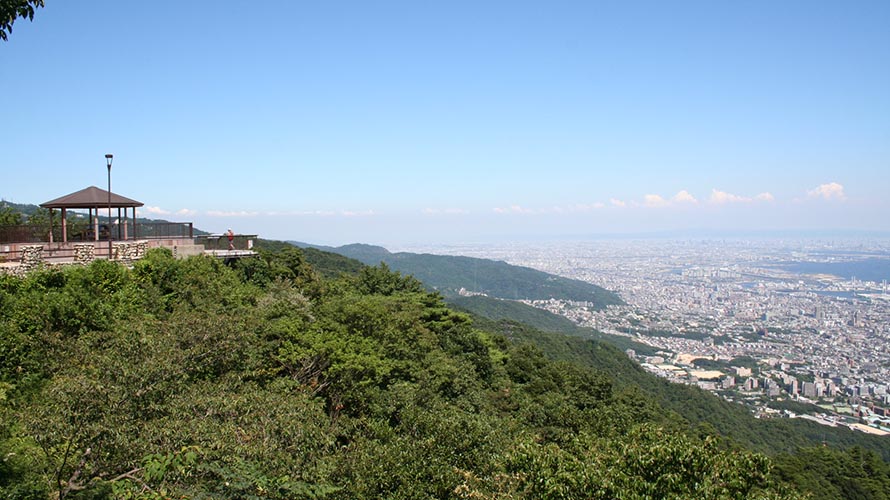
pixel 785 327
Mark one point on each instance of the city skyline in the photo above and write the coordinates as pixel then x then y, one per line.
pixel 767 320
pixel 400 123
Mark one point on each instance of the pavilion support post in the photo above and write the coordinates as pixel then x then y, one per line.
pixel 64 225
pixel 125 223
pixel 50 226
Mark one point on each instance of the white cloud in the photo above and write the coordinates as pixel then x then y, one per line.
pixel 583 207
pixel 513 209
pixel 654 201
pixel 830 191
pixel 155 210
pixel 658 201
pixel 186 211
pixel 290 213
pixel 721 197
pixel 684 197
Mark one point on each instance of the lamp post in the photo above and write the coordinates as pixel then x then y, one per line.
pixel 108 159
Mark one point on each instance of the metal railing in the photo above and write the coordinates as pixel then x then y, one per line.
pixel 26 233
pixel 159 230
pixel 221 241
pixel 23 233
pixel 50 251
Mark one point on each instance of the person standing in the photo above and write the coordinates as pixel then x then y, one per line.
pixel 231 236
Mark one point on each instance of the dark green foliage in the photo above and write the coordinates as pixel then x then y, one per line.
pixel 193 379
pixel 289 263
pixel 647 463
pixel 745 361
pixel 516 312
pixel 827 473
pixel 9 216
pixel 700 409
pixel 328 264
pixel 381 281
pixel 12 9
pixel 448 274
pixel 498 309
pixel 795 406
pixel 710 364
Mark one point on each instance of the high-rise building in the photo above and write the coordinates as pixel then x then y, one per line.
pixel 809 390
pixel 728 382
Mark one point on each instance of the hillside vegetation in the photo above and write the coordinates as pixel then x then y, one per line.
pixel 191 379
pixel 700 411
pixel 186 378
pixel 447 274
pixel 502 309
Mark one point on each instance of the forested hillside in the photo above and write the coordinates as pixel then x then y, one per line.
pixel 328 264
pixel 701 411
pixel 191 379
pixel 447 274
pixel 546 321
pixel 188 378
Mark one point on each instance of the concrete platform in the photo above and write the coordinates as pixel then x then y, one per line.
pixel 230 254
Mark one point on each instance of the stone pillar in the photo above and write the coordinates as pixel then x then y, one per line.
pixel 32 256
pixel 127 252
pixel 64 225
pixel 141 247
pixel 84 253
pixel 118 251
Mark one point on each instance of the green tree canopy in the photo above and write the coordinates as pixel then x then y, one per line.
pixel 10 10
pixel 9 216
pixel 188 378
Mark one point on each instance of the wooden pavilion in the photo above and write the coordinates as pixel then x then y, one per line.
pixel 31 247
pixel 94 199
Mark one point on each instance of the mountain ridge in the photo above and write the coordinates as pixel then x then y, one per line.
pixel 453 275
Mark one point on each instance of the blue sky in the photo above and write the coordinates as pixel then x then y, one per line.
pixel 422 122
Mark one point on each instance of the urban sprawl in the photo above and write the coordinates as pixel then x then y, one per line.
pixel 739 318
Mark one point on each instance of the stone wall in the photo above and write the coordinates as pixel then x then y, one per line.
pixel 84 253
pixel 32 256
pixel 129 251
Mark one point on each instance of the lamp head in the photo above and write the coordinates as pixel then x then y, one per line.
pixel 108 158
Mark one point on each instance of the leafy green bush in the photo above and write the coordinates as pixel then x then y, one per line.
pixel 193 379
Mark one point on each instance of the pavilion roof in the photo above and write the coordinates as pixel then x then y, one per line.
pixel 91 197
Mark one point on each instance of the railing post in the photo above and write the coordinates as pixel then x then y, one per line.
pixel 191 230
